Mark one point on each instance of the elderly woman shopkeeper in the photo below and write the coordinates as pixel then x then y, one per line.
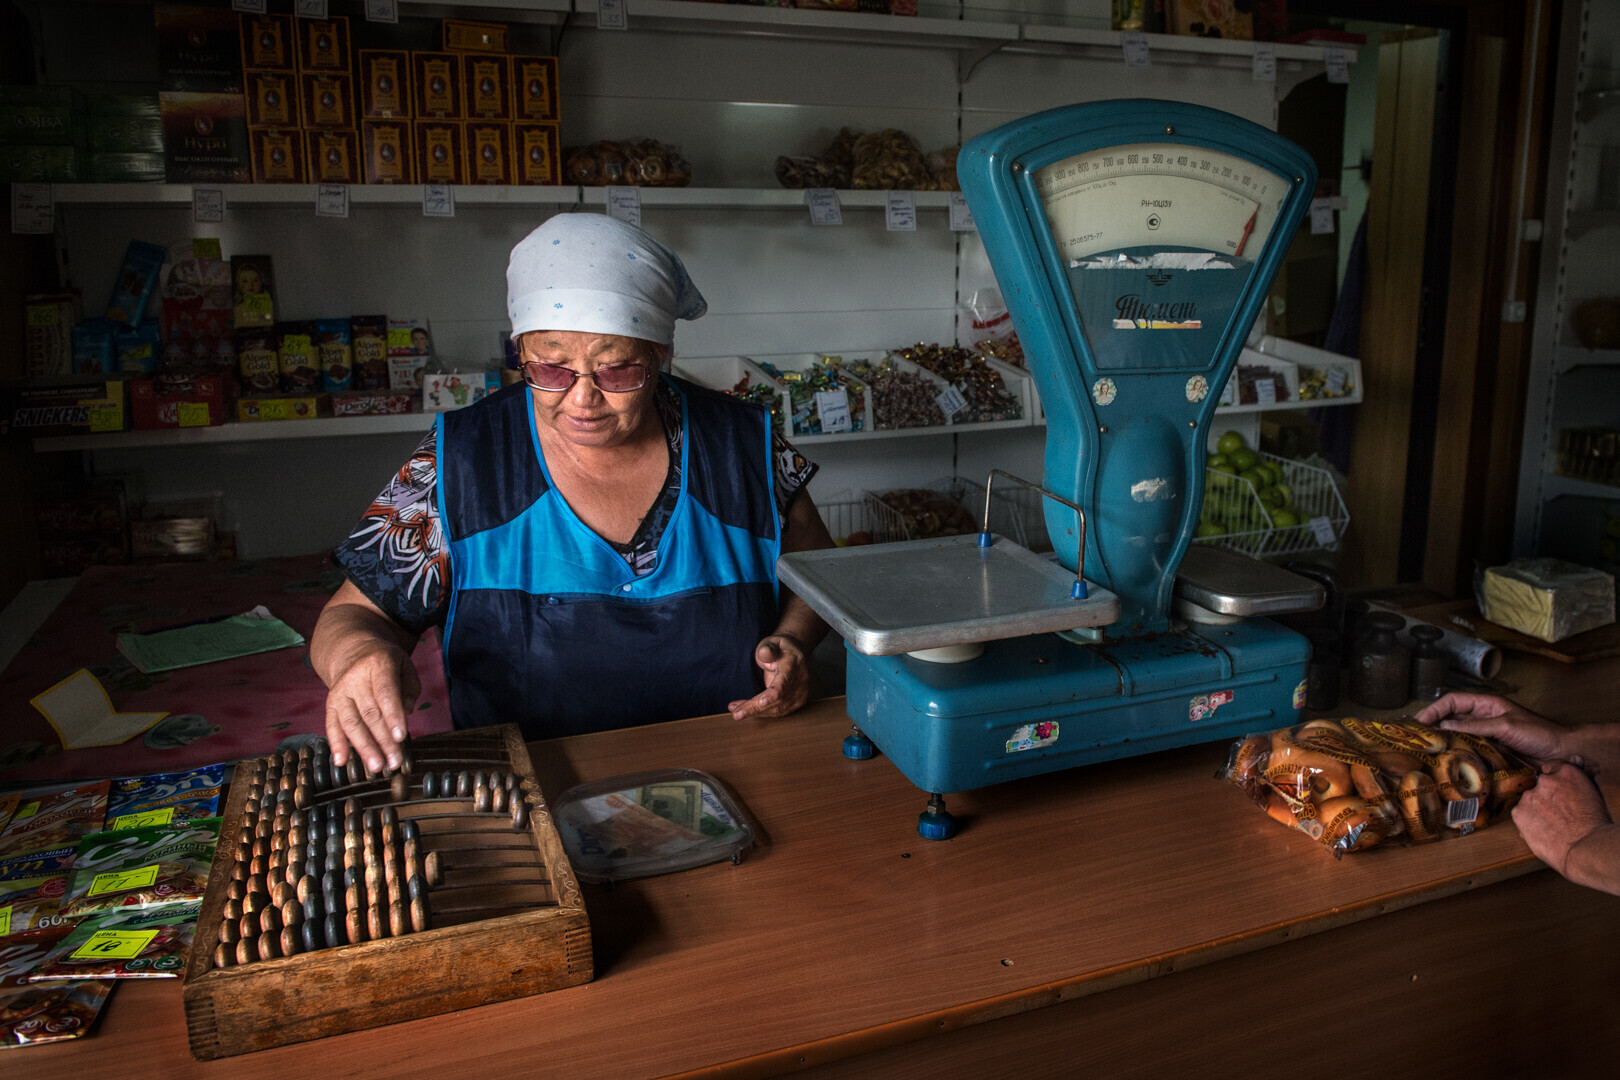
pixel 598 547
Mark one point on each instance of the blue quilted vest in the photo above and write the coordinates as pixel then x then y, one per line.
pixel 549 628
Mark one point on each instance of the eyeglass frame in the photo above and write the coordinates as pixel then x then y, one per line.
pixel 646 374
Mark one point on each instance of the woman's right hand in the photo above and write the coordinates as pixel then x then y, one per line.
pixel 367 705
pixel 1497 718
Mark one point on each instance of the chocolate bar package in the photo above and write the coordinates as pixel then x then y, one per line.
pixel 253 292
pixel 63 405
pixel 136 282
pixel 385 84
pixel 336 353
pixel 33 1013
pixel 48 348
pixel 205 138
pixel 153 867
pixel 257 362
pixel 93 342
pixel 163 798
pixel 197 307
pixel 334 156
pixel 54 818
pixel 389 157
pixel 368 334
pixel 142 944
pixel 298 358
pixel 199 49
pixel 267 43
pixel 137 350
pixel 278 155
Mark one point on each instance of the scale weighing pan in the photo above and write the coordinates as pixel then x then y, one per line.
pixel 931 594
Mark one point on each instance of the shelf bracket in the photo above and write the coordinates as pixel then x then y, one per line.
pixel 968 60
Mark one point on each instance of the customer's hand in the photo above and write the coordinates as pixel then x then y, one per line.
pixel 1515 727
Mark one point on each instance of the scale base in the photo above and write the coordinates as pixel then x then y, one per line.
pixel 1037 704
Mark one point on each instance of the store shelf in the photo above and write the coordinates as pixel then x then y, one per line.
pixel 233 432
pixel 764 198
pixel 1567 358
pixel 1582 222
pixel 678 16
pixel 253 195
pixel 1553 486
pixel 1174 45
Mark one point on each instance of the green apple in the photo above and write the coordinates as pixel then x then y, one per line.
pixel 1229 442
pixel 1209 528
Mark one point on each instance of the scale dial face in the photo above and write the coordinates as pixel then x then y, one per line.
pixel 1157 237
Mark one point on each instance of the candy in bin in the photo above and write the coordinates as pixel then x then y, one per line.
pixel 758 393
pixel 987 396
pixel 805 388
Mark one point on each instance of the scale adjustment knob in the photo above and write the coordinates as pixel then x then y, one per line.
pixel 936 823
pixel 857 747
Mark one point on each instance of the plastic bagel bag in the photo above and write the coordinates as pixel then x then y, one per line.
pixel 1351 784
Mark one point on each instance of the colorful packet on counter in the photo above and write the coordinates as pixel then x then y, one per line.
pixel 8 803
pixel 55 818
pixel 165 797
pixel 125 945
pixel 37 863
pixel 31 903
pixel 152 867
pixel 35 1013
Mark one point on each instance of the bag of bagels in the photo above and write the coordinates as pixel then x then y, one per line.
pixel 1350 784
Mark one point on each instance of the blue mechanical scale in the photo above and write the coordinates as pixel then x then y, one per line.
pixel 1134 243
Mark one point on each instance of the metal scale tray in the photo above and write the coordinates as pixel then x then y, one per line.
pixel 928 594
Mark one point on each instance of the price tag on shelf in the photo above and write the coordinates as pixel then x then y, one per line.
pixel 1335 381
pixel 251 7
pixel 5 920
pixel 961 216
pixel 384 11
pixel 332 200
pixel 611 15
pixel 1338 64
pixel 1322 529
pixel 32 210
pixel 1229 392
pixel 114 945
pixel 309 9
pixel 207 205
pixel 438 200
pixel 901 211
pixel 1265 392
pixel 166 815
pixel 123 880
pixel 824 206
pixel 191 414
pixel 833 408
pixel 1321 216
pixel 624 203
pixel 1135 44
pixel 950 401
pixel 1265 61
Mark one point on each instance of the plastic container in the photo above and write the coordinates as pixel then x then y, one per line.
pixel 650 823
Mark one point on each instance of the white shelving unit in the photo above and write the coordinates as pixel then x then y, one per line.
pixel 1572 386
pixel 732 85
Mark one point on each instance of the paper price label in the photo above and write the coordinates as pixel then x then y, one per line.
pixel 384 11
pixel 961 216
pixel 309 9
pixel 32 210
pixel 1265 392
pixel 833 408
pixel 901 211
pixel 1338 64
pixel 251 7
pixel 1265 61
pixel 1321 216
pixel 950 401
pixel 824 206
pixel 1135 45
pixel 106 416
pixel 44 315
pixel 1335 381
pixel 438 200
pixel 26 810
pixel 1322 529
pixel 611 15
pixel 624 203
pixel 115 945
pixel 123 880
pixel 207 205
pixel 166 815
pixel 1229 393
pixel 332 200
pixel 192 414
pixel 5 920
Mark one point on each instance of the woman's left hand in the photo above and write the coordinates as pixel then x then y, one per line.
pixel 787 680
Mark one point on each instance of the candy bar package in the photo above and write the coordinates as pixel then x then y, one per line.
pixel 336 353
pixel 124 945
pixel 93 343
pixel 299 357
pixel 31 903
pixel 368 335
pixel 1350 784
pixel 43 1012
pixel 54 819
pixel 163 798
pixel 137 281
pixel 157 866
pixel 197 307
pixel 257 362
pixel 138 350
pixel 253 292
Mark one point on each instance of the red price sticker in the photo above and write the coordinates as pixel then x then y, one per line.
pixel 114 945
pixel 123 880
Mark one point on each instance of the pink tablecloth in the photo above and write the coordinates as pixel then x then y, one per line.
pixel 218 712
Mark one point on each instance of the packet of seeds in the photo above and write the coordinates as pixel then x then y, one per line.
pixel 141 868
pixel 164 798
pixel 37 1013
pixel 149 944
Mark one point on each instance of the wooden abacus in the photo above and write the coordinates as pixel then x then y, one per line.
pixel 339 901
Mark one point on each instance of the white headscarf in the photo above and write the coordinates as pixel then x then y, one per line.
pixel 594 273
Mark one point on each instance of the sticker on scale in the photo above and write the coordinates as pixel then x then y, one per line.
pixel 1197 389
pixel 1299 695
pixel 1104 391
pixel 1205 704
pixel 1033 737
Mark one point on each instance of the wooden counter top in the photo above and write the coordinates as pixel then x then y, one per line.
pixel 843 932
